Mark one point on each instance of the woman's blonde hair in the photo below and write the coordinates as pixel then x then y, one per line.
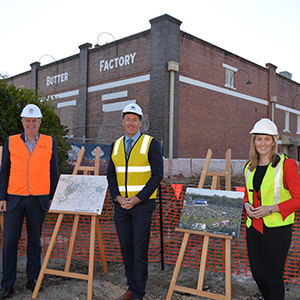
pixel 254 155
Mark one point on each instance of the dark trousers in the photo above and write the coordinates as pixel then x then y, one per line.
pixel 13 221
pixel 133 228
pixel 267 255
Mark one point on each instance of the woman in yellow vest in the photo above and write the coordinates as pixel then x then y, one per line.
pixel 271 198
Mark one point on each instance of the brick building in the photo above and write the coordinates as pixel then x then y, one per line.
pixel 194 95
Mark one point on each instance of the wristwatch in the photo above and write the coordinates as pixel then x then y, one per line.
pixel 270 210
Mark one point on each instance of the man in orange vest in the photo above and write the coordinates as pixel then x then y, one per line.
pixel 28 179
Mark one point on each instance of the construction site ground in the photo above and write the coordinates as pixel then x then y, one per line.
pixel 112 285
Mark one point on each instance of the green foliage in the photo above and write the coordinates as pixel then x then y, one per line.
pixel 12 101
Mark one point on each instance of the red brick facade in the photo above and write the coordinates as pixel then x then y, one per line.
pixel 93 86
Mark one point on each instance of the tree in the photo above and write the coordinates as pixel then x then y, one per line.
pixel 12 101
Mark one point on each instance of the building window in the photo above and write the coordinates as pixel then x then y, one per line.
pixel 286 121
pixel 229 79
pixel 298 125
pixel 229 76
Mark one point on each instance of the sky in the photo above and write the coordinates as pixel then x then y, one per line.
pixel 261 31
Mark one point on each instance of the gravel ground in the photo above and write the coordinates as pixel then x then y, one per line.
pixel 113 285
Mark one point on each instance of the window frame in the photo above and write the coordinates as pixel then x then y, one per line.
pixel 286 121
pixel 229 76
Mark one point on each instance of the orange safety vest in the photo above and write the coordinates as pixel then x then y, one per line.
pixel 29 173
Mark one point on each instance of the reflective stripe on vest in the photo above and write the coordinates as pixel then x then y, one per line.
pixel 133 169
pixel 132 175
pixel 272 192
pixel 29 173
pixel 131 188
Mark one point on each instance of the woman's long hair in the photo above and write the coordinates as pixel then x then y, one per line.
pixel 254 155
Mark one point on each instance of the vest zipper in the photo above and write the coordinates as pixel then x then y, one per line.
pixel 28 173
pixel 126 173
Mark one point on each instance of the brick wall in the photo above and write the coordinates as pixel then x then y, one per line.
pixel 210 119
pixel 107 126
pixel 206 113
pixel 22 80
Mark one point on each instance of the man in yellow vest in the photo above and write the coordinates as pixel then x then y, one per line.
pixel 134 173
pixel 28 178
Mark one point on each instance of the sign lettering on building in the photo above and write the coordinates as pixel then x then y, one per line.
pixel 57 78
pixel 117 62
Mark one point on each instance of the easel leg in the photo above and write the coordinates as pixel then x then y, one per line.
pixel 72 243
pixel 1 221
pixel 178 265
pixel 91 259
pixel 47 257
pixel 228 283
pixel 100 242
pixel 215 183
pixel 203 262
pixel 228 170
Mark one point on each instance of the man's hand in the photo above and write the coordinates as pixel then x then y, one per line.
pixel 128 203
pixel 2 205
pixel 123 202
pixel 132 201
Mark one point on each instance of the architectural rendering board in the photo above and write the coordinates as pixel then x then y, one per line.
pixel 80 193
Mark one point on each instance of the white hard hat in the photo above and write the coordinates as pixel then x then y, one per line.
pixel 31 111
pixel 133 109
pixel 265 126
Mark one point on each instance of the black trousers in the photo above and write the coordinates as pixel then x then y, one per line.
pixel 267 255
pixel 13 221
pixel 133 228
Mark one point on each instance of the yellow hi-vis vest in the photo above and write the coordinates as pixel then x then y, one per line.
pixel 29 173
pixel 272 191
pixel 132 175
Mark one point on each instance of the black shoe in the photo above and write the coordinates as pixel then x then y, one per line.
pixel 6 292
pixel 31 283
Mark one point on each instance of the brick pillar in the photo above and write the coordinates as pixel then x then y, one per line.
pixel 33 75
pixel 82 97
pixel 272 89
pixel 165 47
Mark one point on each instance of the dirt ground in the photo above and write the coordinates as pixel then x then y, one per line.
pixel 113 285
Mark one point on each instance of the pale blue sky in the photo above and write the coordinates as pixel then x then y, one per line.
pixel 262 31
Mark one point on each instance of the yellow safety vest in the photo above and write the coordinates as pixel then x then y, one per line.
pixel 132 175
pixel 272 191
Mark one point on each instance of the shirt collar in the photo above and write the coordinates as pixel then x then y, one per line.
pixel 35 140
pixel 134 138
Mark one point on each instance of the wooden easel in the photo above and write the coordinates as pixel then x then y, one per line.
pixel 216 175
pixel 95 228
pixel 226 242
